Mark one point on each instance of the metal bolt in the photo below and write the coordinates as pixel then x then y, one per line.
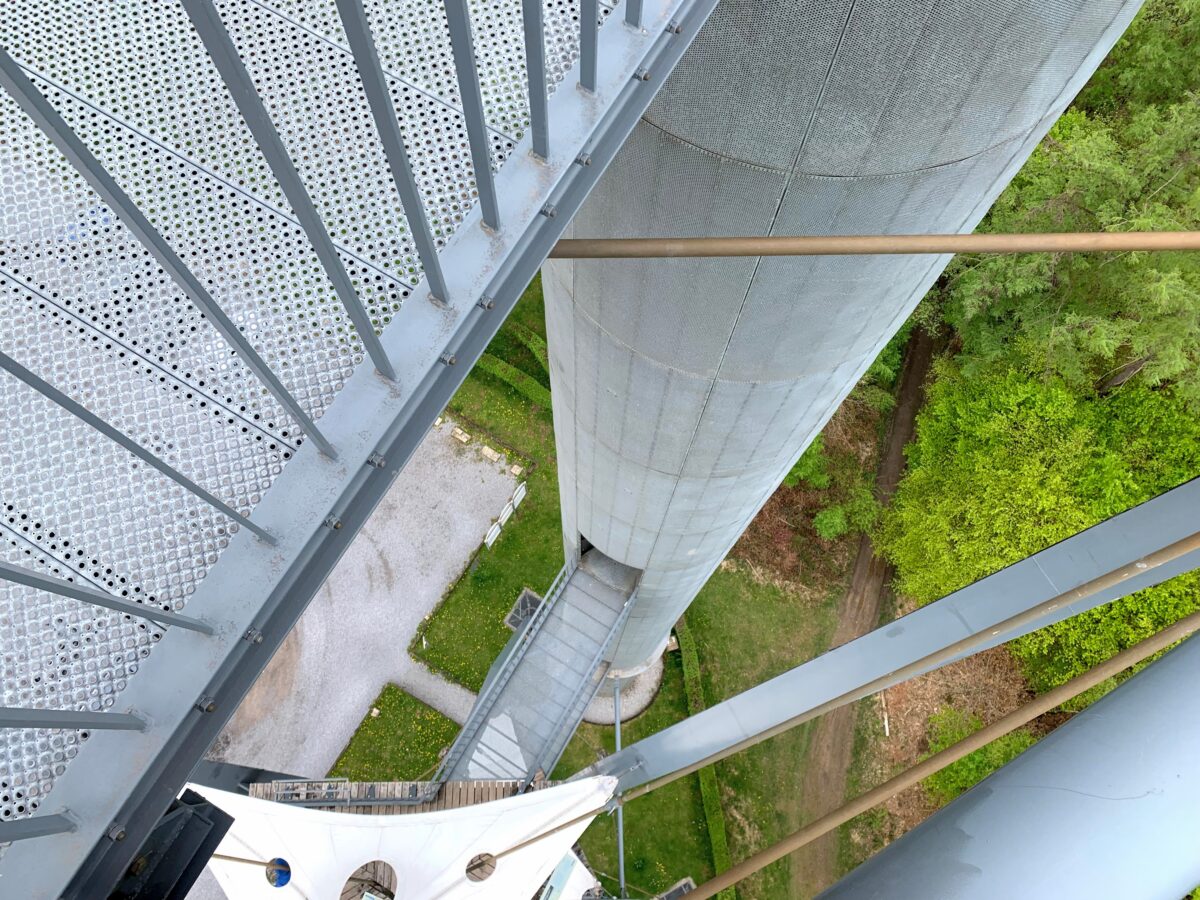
pixel 116 832
pixel 448 359
pixel 549 210
pixel 642 74
pixel 673 27
pixel 376 461
pixel 584 159
pixel 253 636
pixel 206 704
pixel 333 522
pixel 486 302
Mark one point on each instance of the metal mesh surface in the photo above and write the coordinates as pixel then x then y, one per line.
pixel 86 307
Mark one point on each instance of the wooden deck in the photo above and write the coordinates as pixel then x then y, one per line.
pixel 356 796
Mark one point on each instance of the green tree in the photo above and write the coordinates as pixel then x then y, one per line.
pixel 1096 320
pixel 1006 464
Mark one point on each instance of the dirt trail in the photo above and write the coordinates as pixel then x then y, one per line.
pixel 829 752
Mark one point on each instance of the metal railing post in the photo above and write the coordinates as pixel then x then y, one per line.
pixel 207 22
pixel 589 40
pixel 366 57
pixel 463 47
pixel 535 67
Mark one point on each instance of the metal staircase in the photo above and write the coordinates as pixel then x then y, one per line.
pixel 531 706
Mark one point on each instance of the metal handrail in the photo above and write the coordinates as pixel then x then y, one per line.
pixel 583 697
pixel 492 688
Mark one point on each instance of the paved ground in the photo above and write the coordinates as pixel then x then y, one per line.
pixel 353 638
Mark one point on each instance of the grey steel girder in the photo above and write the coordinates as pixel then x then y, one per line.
pixel 771 706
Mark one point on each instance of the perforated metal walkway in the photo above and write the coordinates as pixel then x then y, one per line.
pixel 211 213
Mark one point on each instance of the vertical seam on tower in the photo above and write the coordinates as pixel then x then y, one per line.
pixel 754 272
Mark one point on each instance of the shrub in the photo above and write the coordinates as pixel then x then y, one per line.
pixel 949 726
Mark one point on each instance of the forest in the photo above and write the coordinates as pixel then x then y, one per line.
pixel 1067 389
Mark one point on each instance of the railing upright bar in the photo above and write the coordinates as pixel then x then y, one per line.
pixel 589 41
pixel 64 588
pixel 35 105
pixel 633 13
pixel 366 58
pixel 535 67
pixel 69 719
pixel 35 827
pixel 207 22
pixel 463 47
pixel 54 395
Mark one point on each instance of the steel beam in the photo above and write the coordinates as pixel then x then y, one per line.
pixel 535 68
pixel 633 13
pixel 463 47
pixel 64 588
pixel 35 105
pixel 54 395
pixel 132 778
pixel 885 656
pixel 35 826
pixel 207 22
pixel 1104 806
pixel 66 719
pixel 366 58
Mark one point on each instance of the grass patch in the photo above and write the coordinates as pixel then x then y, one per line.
pixel 466 633
pixel 710 794
pixel 525 385
pixel 400 744
pixel 747 631
pixel 666 834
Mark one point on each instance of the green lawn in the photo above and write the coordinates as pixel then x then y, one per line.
pixel 666 836
pixel 400 744
pixel 466 633
pixel 745 633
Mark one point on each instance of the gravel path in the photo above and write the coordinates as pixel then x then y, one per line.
pixel 353 638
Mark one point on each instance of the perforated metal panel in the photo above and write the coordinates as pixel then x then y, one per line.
pixel 87 308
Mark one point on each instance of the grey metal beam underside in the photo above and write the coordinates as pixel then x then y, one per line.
pixel 132 778
pixel 1114 794
pixel 972 610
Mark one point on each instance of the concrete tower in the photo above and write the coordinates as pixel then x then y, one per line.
pixel 684 390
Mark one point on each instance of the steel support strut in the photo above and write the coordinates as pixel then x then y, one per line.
pixel 64 588
pixel 54 395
